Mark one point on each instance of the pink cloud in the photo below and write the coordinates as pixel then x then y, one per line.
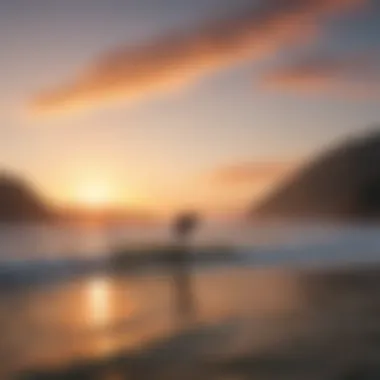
pixel 348 76
pixel 168 63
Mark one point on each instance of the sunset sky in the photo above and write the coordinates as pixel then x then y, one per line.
pixel 168 104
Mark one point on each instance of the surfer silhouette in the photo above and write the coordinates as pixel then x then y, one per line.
pixel 184 226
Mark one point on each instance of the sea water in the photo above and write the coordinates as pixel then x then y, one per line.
pixel 301 283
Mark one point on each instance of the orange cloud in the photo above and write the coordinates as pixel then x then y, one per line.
pixel 343 76
pixel 129 74
pixel 253 172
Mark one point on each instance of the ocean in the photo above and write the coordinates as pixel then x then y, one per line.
pixel 276 243
pixel 296 294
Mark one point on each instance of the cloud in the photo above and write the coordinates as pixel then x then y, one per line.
pixel 348 76
pixel 131 74
pixel 253 172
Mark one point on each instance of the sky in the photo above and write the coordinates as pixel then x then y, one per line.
pixel 171 104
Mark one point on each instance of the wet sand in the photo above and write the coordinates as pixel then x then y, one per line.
pixel 249 324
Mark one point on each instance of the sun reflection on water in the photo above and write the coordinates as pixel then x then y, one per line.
pixel 99 302
pixel 110 308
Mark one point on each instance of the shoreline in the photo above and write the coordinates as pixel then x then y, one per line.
pixel 284 324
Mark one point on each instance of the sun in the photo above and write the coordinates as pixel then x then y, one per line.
pixel 95 195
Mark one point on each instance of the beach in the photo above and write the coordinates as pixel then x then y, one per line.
pixel 268 323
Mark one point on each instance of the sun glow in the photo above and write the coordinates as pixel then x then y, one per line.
pixel 96 195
